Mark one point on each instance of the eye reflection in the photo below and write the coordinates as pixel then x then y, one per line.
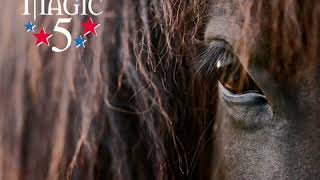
pixel 235 78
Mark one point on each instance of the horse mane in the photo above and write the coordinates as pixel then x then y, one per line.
pixel 128 106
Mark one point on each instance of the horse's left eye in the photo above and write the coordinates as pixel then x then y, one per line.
pixel 235 78
pixel 219 61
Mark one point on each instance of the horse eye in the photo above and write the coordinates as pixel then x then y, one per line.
pixel 235 78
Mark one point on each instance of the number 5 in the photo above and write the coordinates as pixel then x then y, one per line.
pixel 64 31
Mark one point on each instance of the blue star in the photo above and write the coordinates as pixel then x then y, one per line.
pixel 29 27
pixel 80 41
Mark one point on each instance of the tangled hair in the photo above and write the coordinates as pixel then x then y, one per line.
pixel 129 105
pixel 124 107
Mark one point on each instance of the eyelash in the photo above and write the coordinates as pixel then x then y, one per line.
pixel 218 53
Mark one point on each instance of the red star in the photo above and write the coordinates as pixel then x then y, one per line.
pixel 42 37
pixel 90 27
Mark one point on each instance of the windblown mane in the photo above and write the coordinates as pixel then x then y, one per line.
pixel 125 107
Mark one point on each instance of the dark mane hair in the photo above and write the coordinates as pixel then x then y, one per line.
pixel 128 106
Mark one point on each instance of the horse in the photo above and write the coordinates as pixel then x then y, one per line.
pixel 169 89
pixel 267 67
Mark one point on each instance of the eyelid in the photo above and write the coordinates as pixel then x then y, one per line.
pixel 246 98
pixel 220 42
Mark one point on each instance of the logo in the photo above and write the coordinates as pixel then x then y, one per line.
pixel 64 8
